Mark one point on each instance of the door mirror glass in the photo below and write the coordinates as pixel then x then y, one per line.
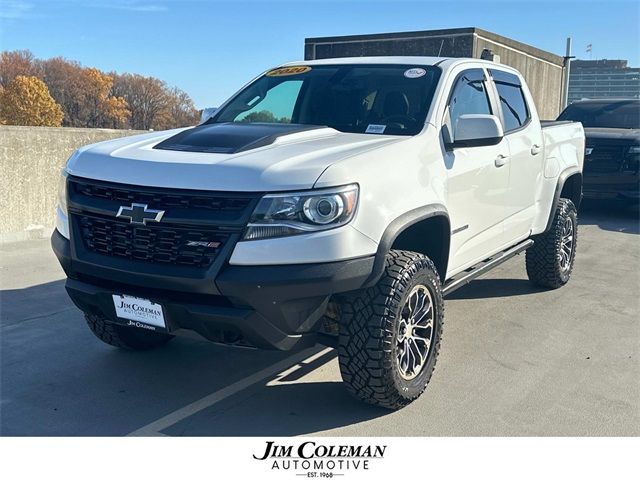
pixel 476 130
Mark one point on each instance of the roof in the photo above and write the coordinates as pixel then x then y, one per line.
pixel 445 62
pixel 372 60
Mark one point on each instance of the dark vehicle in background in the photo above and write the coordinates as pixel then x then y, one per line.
pixel 612 152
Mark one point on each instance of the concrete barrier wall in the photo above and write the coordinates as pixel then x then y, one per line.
pixel 30 163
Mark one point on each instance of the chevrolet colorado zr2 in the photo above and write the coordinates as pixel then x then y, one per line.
pixel 334 201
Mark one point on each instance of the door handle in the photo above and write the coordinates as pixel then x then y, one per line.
pixel 501 160
pixel 535 149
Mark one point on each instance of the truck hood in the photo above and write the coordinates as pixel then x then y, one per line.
pixel 224 157
pixel 618 134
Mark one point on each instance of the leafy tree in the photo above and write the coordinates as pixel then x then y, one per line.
pixel 116 112
pixel 92 98
pixel 85 95
pixel 100 108
pixel 26 101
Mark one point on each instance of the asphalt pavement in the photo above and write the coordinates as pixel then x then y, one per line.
pixel 515 360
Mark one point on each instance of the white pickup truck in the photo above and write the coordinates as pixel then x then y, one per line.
pixel 333 201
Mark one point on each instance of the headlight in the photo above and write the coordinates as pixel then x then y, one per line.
pixel 283 214
pixel 62 191
pixel 634 150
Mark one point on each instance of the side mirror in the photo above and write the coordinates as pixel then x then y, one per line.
pixel 477 130
pixel 207 113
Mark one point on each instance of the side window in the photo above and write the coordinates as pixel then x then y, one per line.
pixel 512 101
pixel 514 107
pixel 469 96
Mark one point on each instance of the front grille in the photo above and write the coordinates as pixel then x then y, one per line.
pixel 604 158
pixel 196 228
pixel 162 200
pixel 165 244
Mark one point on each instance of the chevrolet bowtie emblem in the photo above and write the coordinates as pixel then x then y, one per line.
pixel 140 213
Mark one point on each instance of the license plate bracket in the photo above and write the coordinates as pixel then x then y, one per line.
pixel 139 312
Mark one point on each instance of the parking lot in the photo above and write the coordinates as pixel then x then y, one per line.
pixel 515 360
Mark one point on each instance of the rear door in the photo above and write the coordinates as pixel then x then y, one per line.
pixel 478 178
pixel 524 135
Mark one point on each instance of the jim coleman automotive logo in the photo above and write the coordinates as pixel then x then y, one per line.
pixel 311 459
pixel 139 312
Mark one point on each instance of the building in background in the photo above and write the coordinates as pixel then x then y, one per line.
pixel 603 79
pixel 543 71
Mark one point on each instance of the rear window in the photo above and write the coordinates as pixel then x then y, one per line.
pixel 624 114
pixel 514 106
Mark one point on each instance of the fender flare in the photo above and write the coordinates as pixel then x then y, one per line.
pixel 395 228
pixel 562 178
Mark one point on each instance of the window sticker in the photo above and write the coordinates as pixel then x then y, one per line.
pixel 414 72
pixel 285 71
pixel 375 128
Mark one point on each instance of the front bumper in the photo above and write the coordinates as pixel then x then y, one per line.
pixel 275 306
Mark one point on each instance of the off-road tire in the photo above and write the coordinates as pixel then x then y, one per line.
pixel 129 338
pixel 543 259
pixel 368 326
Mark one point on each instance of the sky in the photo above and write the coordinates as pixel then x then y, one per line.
pixel 211 48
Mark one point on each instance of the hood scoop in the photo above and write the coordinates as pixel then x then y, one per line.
pixel 230 137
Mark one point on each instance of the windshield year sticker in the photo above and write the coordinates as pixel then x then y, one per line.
pixel 414 72
pixel 375 128
pixel 285 71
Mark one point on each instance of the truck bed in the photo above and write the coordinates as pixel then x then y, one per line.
pixel 563 138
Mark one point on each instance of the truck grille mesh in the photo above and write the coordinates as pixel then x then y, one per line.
pixel 151 243
pixel 197 226
pixel 604 158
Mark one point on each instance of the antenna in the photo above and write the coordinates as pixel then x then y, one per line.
pixel 441 45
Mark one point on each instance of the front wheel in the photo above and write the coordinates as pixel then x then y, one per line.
pixel 390 333
pixel 550 260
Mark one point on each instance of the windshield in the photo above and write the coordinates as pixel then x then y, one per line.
pixel 604 114
pixel 374 99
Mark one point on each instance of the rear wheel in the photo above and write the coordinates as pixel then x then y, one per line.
pixel 124 337
pixel 390 333
pixel 550 260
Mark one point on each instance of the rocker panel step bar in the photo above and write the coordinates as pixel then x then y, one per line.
pixel 483 267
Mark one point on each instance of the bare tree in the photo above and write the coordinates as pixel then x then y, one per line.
pixel 146 96
pixel 179 112
pixel 18 62
pixel 65 81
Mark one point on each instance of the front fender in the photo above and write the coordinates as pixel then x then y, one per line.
pixel 399 225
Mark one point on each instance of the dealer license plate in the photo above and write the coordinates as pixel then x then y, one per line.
pixel 139 312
